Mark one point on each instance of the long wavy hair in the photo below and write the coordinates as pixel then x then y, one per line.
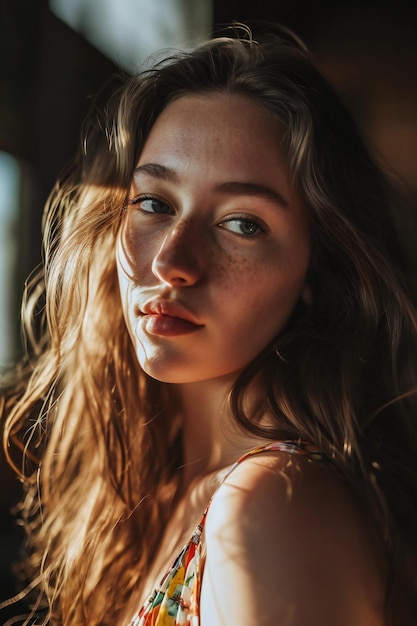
pixel 98 442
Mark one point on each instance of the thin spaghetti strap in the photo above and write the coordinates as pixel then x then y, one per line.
pixel 288 445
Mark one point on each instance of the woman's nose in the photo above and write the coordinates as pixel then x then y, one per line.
pixel 178 260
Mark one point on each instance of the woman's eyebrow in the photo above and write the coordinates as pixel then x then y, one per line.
pixel 254 189
pixel 161 172
pixel 157 171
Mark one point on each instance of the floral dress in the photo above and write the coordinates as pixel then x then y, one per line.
pixel 176 601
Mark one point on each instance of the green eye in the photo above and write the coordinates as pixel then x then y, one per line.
pixel 153 205
pixel 243 226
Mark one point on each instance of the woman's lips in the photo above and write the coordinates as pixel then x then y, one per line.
pixel 168 318
pixel 168 326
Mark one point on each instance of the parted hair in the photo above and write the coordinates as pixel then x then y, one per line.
pixel 98 442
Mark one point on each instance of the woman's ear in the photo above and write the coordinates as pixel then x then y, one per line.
pixel 307 295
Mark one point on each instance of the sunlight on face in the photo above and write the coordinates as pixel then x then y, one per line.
pixel 214 249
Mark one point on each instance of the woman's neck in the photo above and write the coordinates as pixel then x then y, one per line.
pixel 211 438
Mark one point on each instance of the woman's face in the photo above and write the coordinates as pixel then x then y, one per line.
pixel 213 252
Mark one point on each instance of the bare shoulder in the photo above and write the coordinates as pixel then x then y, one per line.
pixel 287 544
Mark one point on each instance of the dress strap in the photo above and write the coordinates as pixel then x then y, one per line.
pixel 288 445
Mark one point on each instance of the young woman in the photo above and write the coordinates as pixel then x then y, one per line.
pixel 218 414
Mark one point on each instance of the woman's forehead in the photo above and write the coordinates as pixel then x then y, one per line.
pixel 219 129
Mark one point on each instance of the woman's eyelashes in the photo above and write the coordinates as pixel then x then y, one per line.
pixel 243 225
pixel 240 224
pixel 151 204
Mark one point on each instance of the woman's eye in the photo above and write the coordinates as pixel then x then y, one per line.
pixel 151 205
pixel 243 226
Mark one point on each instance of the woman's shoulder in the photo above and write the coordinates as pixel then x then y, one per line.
pixel 287 543
pixel 294 479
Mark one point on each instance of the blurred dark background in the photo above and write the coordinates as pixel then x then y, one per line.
pixel 49 73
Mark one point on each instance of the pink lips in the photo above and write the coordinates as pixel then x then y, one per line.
pixel 168 318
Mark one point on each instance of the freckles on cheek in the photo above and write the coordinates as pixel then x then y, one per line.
pixel 234 273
